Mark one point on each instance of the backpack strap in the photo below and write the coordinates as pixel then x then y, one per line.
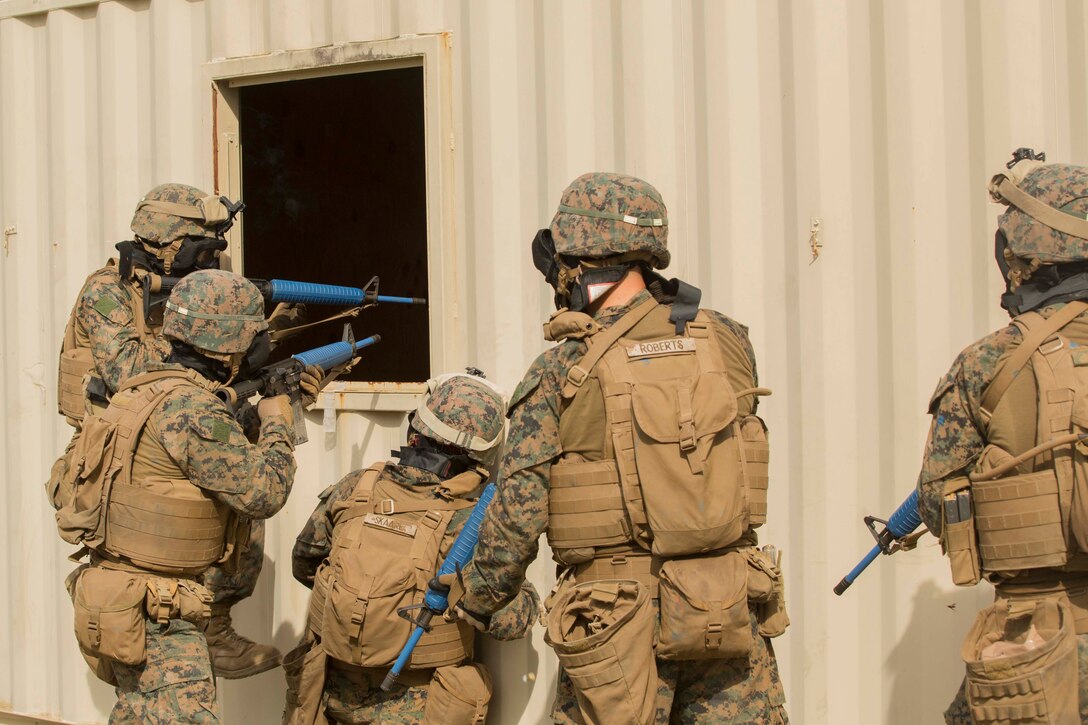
pixel 1038 330
pixel 600 343
pixel 361 495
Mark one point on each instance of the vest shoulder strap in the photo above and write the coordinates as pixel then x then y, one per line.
pixel 361 495
pixel 1037 331
pixel 183 377
pixel 600 343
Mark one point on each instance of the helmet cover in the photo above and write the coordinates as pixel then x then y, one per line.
pixel 462 410
pixel 214 310
pixel 604 214
pixel 1047 204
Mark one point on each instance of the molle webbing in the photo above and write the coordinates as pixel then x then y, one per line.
pixel 638 565
pixel 184 533
pixel 586 506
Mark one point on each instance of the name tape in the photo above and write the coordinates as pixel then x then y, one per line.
pixel 662 347
pixel 390 524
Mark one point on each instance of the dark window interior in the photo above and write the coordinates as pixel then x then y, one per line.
pixel 333 177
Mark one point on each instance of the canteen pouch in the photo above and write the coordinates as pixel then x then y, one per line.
pixel 109 614
pixel 704 608
pixel 458 695
pixel 767 592
pixel 304 670
pixel 603 635
pixel 1021 662
pixel 361 626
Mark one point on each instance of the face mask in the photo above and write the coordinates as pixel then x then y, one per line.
pixel 256 356
pixel 198 253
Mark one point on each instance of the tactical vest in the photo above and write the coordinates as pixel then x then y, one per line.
pixel 163 523
pixel 76 359
pixel 1030 508
pixel 654 455
pixel 387 543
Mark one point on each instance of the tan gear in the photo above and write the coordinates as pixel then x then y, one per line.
pixel 1021 662
pixel 388 542
pixel 77 362
pixel 162 523
pixel 234 656
pixel 1030 511
pixel 458 695
pixel 678 474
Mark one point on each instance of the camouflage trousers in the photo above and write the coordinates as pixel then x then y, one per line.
pixel 958 713
pixel 229 589
pixel 174 685
pixel 346 703
pixel 738 691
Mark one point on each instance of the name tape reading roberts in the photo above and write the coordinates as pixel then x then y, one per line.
pixel 662 347
pixel 386 522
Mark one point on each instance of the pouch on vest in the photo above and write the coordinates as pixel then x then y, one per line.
pixel 74 367
pixel 603 634
pixel 704 608
pixel 89 472
pixel 109 614
pixel 958 536
pixel 1022 664
pixel 168 598
pixel 1018 518
pixel 458 695
pixel 360 623
pixel 1078 507
pixel 755 460
pixel 304 670
pixel 767 591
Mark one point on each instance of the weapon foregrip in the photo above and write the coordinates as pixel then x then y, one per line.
pixel 336 353
pixel 285 290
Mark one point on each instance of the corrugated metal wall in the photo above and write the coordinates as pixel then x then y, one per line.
pixel 877 121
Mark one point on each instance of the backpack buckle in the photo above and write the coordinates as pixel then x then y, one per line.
pixel 577 375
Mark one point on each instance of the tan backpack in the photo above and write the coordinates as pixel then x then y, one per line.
pixel 693 476
pixel 387 544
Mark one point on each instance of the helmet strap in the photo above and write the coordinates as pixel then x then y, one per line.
pixel 189 357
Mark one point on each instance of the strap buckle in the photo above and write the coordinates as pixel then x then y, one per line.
pixel 387 507
pixel 577 375
pixel 714 635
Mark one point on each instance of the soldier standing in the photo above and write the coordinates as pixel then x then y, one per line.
pixel 160 486
pixel 372 546
pixel 635 446
pixel 178 229
pixel 1004 481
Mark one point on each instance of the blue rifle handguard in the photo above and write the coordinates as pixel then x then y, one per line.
pixel 285 290
pixel 903 522
pixel 435 601
pixel 335 353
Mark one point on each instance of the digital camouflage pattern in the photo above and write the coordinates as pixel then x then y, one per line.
pixel 705 692
pixel 466 405
pixel 958 713
pixel 215 310
pixel 174 685
pixel 199 433
pixel 1061 186
pixel 160 228
pixel 346 702
pixel 104 322
pixel 230 588
pixel 580 235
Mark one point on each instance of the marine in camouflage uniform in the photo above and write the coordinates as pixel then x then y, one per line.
pixel 705 691
pixel 192 433
pixel 108 320
pixel 429 461
pixel 1042 267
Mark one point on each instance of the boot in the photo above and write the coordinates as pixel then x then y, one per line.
pixel 234 656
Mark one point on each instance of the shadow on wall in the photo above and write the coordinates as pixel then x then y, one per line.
pixel 925 665
pixel 258 699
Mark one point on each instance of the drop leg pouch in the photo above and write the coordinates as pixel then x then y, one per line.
pixel 603 635
pixel 1021 662
pixel 458 695
pixel 304 670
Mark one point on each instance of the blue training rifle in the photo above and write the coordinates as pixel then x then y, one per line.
pixel 282 378
pixel 436 600
pixel 903 521
pixel 157 289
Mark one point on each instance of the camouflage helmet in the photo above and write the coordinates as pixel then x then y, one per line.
pixel 214 310
pixel 1046 208
pixel 463 410
pixel 603 215
pixel 173 211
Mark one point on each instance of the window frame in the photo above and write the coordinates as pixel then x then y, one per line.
pixel 446 258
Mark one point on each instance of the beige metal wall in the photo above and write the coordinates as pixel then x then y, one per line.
pixel 876 123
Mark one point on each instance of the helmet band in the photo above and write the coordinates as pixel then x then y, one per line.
pixel 209 209
pixel 649 221
pixel 1005 189
pixel 186 312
